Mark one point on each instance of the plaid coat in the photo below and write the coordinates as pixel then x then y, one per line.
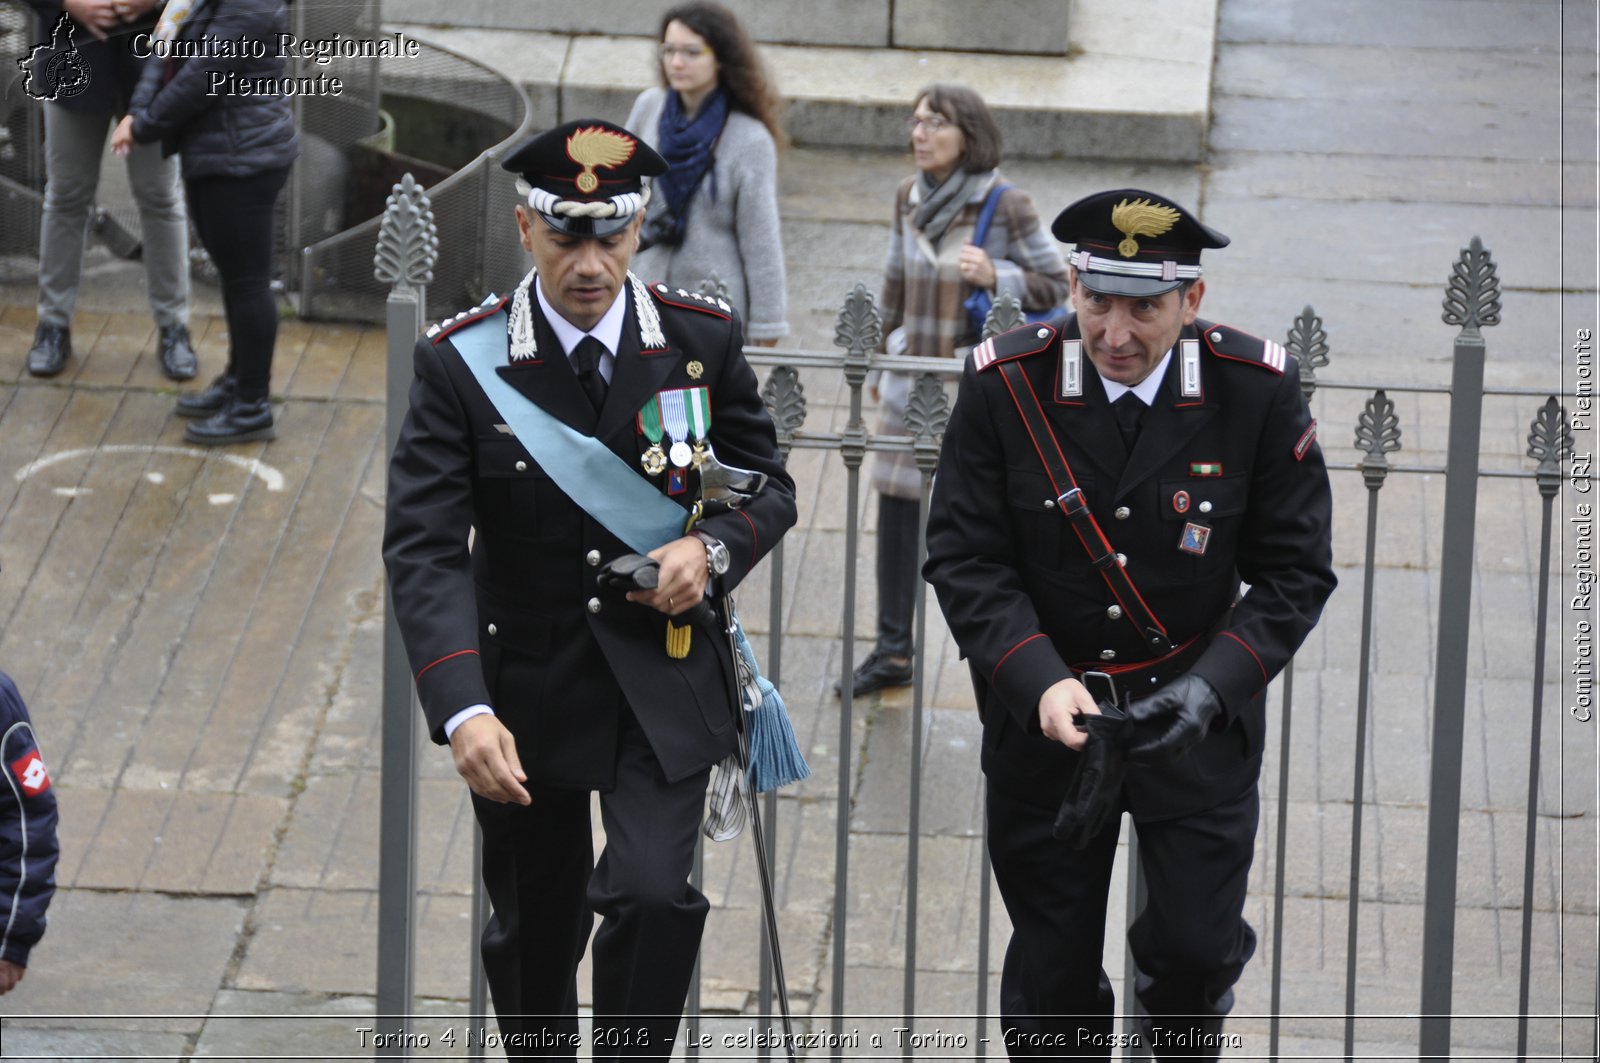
pixel 923 294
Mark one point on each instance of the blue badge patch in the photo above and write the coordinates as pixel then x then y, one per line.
pixel 677 481
pixel 1194 539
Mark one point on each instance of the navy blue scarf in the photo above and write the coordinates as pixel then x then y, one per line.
pixel 687 145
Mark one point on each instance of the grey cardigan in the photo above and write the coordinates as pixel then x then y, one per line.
pixel 736 237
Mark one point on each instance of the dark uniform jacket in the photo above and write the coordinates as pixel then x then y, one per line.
pixel 1239 461
pixel 519 624
pixel 232 133
pixel 28 847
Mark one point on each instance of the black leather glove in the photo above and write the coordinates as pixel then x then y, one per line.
pixel 630 572
pixel 636 572
pixel 1169 722
pixel 1094 794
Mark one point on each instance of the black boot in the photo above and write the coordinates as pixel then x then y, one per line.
pixel 177 353
pixel 52 346
pixel 240 421
pixel 207 402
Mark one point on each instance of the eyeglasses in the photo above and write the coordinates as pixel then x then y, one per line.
pixel 690 52
pixel 933 123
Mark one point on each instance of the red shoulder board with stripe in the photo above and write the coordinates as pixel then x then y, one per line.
pixel 1236 346
pixel 467 317
pixel 1018 343
pixel 706 304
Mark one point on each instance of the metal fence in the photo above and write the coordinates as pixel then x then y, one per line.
pixel 1471 304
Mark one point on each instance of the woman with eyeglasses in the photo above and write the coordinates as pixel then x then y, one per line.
pixel 715 212
pixel 933 266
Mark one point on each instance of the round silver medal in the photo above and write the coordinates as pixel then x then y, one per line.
pixel 680 454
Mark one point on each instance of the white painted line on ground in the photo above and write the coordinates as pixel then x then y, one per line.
pixel 255 467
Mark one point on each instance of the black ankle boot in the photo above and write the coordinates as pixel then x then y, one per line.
pixel 207 402
pixel 240 421
pixel 178 359
pixel 52 346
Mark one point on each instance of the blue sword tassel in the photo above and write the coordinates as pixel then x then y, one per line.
pixel 775 757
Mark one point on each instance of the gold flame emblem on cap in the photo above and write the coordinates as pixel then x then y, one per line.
pixel 593 146
pixel 1140 218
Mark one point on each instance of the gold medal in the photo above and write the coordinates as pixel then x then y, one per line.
pixel 654 460
pixel 699 457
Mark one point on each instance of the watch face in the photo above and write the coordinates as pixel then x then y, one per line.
pixel 717 558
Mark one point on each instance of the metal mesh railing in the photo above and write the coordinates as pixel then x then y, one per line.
pixel 472 199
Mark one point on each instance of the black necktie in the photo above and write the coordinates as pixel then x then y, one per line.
pixel 587 359
pixel 1129 410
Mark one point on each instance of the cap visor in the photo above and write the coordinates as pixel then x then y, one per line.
pixel 586 226
pixel 1116 284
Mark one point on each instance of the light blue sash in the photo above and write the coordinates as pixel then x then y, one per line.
pixel 586 470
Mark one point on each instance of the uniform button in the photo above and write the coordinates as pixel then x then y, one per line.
pixel 1122 513
pixel 522 466
pixel 593 557
pixel 594 605
pixel 1108 655
pixel 1122 559
pixel 1216 337
pixel 1049 503
pixel 493 630
pixel 1205 507
pixel 1042 333
pixel 1115 612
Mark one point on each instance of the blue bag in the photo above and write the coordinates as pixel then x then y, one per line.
pixel 980 301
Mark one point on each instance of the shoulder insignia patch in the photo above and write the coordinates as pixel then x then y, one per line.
pixel 682 297
pixel 1230 343
pixel 1018 343
pixel 450 324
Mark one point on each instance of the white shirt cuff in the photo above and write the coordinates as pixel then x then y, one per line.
pixel 463 716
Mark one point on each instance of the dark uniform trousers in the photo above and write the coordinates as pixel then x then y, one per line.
pixel 536 866
pixel 1191 942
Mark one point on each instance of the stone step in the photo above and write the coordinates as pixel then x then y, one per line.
pixel 1124 92
pixel 1026 27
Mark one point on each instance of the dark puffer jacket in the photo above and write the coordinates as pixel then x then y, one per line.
pixel 232 133
pixel 28 847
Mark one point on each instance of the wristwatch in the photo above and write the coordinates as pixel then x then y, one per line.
pixel 716 553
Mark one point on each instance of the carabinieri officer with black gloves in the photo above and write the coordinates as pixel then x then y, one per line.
pixel 564 423
pixel 1101 493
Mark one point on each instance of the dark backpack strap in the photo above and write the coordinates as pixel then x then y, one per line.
pixel 1073 506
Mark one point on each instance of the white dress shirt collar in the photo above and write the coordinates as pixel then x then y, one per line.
pixel 1147 389
pixel 608 330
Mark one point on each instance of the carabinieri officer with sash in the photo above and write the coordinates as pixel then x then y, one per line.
pixel 1101 493
pixel 565 424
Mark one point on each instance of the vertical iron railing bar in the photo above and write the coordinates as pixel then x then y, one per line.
pixel 1377 433
pixel 914 817
pixel 927 412
pixel 784 398
pixel 1308 342
pixel 407 247
pixel 1471 301
pixel 769 800
pixel 1278 870
pixel 859 330
pixel 1550 443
